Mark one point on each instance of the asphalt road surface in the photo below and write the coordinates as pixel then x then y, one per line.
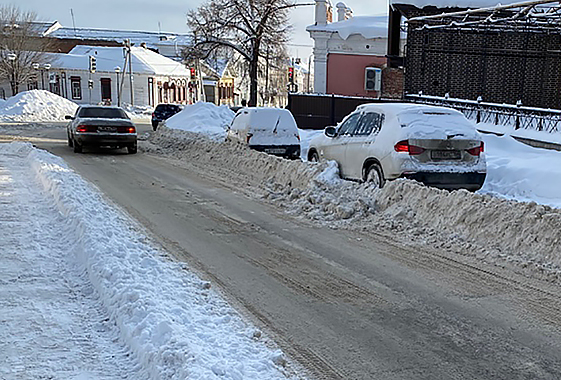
pixel 343 305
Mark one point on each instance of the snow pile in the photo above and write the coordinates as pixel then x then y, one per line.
pixel 36 105
pixel 173 323
pixel 496 230
pixel 230 161
pixel 138 112
pixel 518 171
pixel 205 118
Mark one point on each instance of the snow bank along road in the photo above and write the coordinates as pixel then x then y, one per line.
pixel 358 283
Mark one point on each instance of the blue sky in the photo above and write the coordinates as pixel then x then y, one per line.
pixel 170 14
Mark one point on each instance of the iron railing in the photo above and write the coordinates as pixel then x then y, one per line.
pixel 515 116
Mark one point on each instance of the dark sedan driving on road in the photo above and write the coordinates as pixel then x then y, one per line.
pixel 99 126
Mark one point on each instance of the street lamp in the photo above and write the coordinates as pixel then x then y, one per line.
pixel 47 67
pixel 12 58
pixel 117 72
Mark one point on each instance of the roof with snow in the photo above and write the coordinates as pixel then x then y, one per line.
pixel 453 3
pixel 152 39
pixel 367 26
pixel 144 61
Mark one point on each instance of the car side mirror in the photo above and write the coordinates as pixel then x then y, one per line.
pixel 330 131
pixel 68 117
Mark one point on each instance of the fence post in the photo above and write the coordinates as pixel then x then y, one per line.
pixel 478 115
pixel 332 110
pixel 517 118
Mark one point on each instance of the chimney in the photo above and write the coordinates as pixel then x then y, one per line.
pixel 341 11
pixel 321 12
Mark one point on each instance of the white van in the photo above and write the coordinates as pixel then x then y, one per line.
pixel 269 130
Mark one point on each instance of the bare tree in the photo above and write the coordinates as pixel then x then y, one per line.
pixel 249 27
pixel 21 46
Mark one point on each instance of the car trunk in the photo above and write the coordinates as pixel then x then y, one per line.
pixel 438 151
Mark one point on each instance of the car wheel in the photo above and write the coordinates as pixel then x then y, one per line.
pixel 374 175
pixel 77 147
pixel 313 157
pixel 70 142
pixel 132 149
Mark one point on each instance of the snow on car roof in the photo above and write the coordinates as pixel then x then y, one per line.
pixel 401 108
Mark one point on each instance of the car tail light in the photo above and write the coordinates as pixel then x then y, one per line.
pixel 298 137
pixel 153 114
pixel 477 150
pixel 84 128
pixel 132 130
pixel 404 147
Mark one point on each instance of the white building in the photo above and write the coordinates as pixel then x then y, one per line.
pixel 155 78
pixel 345 48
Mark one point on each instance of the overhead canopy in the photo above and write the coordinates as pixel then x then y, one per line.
pixel 540 16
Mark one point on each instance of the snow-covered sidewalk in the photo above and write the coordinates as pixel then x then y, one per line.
pixel 84 295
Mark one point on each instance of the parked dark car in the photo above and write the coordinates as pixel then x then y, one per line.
pixel 164 112
pixel 98 126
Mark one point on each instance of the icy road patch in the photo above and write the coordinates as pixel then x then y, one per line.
pixel 84 295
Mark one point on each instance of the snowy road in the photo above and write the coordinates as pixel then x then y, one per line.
pixel 50 323
pixel 344 304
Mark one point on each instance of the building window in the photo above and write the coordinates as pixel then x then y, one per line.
pixel 76 86
pixel 106 90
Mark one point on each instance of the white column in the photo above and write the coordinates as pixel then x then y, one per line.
pixel 321 12
pixel 341 11
pixel 320 61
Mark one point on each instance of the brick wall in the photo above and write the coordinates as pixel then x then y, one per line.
pixel 501 67
pixel 392 83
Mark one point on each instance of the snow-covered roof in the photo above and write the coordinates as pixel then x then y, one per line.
pixel 453 3
pixel 152 39
pixel 144 61
pixel 367 26
pixel 218 65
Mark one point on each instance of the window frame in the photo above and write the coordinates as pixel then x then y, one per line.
pixel 78 94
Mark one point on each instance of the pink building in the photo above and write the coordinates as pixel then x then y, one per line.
pixel 350 54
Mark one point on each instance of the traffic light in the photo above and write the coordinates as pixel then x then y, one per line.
pixel 291 75
pixel 193 73
pixel 92 64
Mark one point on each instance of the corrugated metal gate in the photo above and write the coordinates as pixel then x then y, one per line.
pixel 319 111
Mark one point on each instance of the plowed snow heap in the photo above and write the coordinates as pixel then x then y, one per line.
pixel 36 105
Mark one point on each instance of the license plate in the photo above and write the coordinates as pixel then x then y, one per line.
pixel 275 150
pixel 445 154
pixel 107 129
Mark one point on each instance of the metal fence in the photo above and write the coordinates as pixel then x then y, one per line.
pixel 515 116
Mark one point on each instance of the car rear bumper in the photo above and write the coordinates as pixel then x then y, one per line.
pixel 116 140
pixel 289 151
pixel 451 181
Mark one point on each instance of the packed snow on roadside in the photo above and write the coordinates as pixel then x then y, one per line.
pixel 482 226
pixel 205 118
pixel 85 295
pixel 36 105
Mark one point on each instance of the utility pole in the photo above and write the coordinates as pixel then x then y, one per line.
pixel 128 45
pixel 267 78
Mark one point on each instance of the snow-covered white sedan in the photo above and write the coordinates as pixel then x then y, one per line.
pixel 383 141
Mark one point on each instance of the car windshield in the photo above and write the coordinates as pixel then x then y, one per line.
pixel 167 108
pixel 105 113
